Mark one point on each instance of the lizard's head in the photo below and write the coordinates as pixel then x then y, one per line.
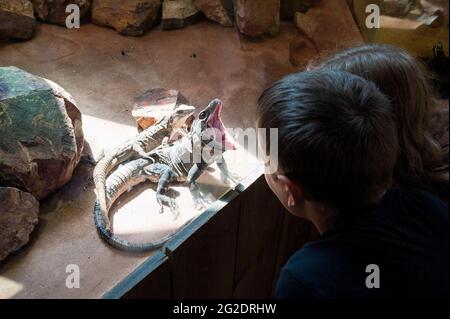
pixel 209 120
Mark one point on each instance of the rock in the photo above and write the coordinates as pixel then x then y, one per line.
pixel 178 13
pixel 301 51
pixel 154 104
pixel 16 19
pixel 149 107
pixel 215 10
pixel 54 11
pixel 255 20
pixel 308 25
pixel 431 6
pixel 290 7
pixel 229 8
pixel 18 217
pixel 437 9
pixel 396 8
pixel 131 17
pixel 41 137
pixel 333 32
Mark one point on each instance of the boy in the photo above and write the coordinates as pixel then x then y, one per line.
pixel 337 149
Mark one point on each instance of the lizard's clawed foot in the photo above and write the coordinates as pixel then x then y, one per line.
pixel 200 203
pixel 174 209
pixel 170 202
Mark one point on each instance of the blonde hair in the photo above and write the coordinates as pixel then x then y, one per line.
pixel 405 82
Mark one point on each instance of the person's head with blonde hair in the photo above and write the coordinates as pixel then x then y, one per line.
pixel 405 82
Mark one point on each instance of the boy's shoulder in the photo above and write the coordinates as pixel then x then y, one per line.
pixel 414 203
pixel 318 259
pixel 319 270
pixel 336 264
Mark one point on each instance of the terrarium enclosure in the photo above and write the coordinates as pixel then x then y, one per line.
pixel 83 81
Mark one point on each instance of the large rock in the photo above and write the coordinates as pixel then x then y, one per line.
pixel 215 10
pixel 229 8
pixel 130 17
pixel 438 8
pixel 16 19
pixel 18 217
pixel 177 14
pixel 54 11
pixel 41 137
pixel 397 8
pixel 431 6
pixel 153 105
pixel 255 19
pixel 290 7
pixel 308 25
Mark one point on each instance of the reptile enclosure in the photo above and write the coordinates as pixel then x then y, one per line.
pixel 233 249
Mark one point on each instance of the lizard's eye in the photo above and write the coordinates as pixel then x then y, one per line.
pixel 202 115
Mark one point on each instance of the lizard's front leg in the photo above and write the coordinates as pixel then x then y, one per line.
pixel 193 175
pixel 163 199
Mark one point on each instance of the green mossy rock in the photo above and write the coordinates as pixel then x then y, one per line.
pixel 41 137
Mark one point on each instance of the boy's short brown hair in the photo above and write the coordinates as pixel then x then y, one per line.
pixel 336 135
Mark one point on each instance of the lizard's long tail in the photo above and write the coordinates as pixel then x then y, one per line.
pixel 122 244
pixel 119 182
pixel 100 172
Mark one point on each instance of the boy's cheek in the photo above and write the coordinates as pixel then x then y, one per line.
pixel 276 188
pixel 281 194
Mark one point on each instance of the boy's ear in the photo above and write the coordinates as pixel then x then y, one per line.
pixel 294 191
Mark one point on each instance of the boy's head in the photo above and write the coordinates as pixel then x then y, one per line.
pixel 337 141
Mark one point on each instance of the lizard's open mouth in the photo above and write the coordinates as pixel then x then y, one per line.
pixel 220 132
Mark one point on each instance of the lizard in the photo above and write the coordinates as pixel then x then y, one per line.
pixel 172 163
pixel 140 145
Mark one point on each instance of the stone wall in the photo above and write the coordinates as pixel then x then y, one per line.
pixel 135 17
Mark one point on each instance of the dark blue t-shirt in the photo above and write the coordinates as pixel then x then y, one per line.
pixel 405 236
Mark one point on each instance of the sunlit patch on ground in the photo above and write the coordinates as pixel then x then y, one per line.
pixel 9 288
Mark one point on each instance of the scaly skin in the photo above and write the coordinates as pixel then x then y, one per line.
pixel 119 182
pixel 165 164
pixel 141 144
